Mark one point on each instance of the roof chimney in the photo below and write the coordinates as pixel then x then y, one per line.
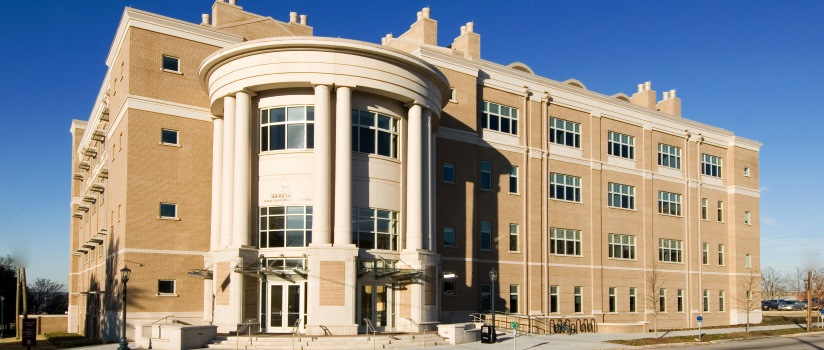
pixel 469 42
pixel 645 97
pixel 232 2
pixel 204 19
pixel 424 30
pixel 293 17
pixel 670 104
pixel 303 20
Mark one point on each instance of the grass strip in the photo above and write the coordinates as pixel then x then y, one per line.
pixel 708 337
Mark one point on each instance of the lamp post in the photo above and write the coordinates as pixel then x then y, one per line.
pixel 2 319
pixel 493 276
pixel 124 276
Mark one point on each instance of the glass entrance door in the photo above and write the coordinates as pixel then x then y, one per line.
pixel 374 303
pixel 286 306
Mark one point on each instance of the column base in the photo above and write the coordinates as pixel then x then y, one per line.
pixel 331 285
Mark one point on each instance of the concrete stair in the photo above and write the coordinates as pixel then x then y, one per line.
pixel 356 342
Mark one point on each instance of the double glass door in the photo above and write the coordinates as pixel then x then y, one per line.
pixel 375 303
pixel 286 305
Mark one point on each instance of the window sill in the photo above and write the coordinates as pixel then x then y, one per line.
pixel 171 71
pixel 167 218
pixel 449 182
pixel 290 150
pixel 169 144
pixel 567 255
pixel 670 215
pixel 625 209
pixel 515 252
pixel 672 262
pixel 565 201
pixel 167 295
pixel 622 259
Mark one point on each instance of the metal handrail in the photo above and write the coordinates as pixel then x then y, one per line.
pixel 246 325
pixel 420 329
pixel 374 332
pixel 162 318
pixel 296 332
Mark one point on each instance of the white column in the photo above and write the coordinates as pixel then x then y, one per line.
pixel 228 174
pixel 242 171
pixel 343 166
pixel 321 200
pixel 414 178
pixel 217 175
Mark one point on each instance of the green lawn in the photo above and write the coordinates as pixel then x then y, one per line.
pixel 708 337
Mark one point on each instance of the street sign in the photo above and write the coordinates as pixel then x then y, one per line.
pixel 513 325
pixel 822 311
pixel 699 318
pixel 29 332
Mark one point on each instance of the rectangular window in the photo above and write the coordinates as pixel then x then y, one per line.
pixel 375 228
pixel 669 250
pixel 500 118
pixel 513 298
pixel 165 287
pixel 710 165
pixel 513 238
pixel 747 260
pixel 720 255
pixel 705 254
pixel 168 136
pixel 721 300
pixel 486 235
pixel 448 287
pixel 452 96
pixel 662 300
pixel 621 196
pixel 669 156
pixel 291 127
pixel 747 218
pixel 486 176
pixel 486 294
pixel 621 145
pixel 579 307
pixel 564 241
pixel 706 300
pixel 612 302
pixel 680 300
pixel 747 171
pixel 720 211
pixel 374 133
pixel 565 187
pixel 632 307
pixel 704 210
pixel 449 173
pixel 553 299
pixel 513 179
pixel 285 226
pixel 171 64
pixel 167 210
pixel 448 237
pixel 564 132
pixel 621 246
pixel 669 203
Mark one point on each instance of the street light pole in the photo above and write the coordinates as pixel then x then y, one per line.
pixel 493 276
pixel 124 276
pixel 2 318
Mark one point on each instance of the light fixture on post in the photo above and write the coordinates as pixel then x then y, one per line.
pixel 493 276
pixel 2 312
pixel 124 277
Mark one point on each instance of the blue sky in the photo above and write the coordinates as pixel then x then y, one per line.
pixel 753 67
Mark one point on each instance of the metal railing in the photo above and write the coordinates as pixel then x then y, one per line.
pixel 374 332
pixel 296 332
pixel 420 329
pixel 248 326
pixel 540 324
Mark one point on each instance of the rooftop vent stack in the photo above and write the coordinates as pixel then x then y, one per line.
pixel 426 12
pixel 469 42
pixel 304 20
pixel 645 97
pixel 670 104
pixel 420 15
pixel 470 27
pixel 232 2
pixel 204 19
pixel 424 30
pixel 463 30
pixel 293 17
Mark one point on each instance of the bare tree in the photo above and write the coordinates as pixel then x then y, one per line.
pixel 655 282
pixel 749 298
pixel 772 283
pixel 47 297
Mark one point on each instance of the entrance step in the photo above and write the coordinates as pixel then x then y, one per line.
pixel 359 342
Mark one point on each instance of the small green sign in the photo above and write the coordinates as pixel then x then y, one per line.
pixel 513 324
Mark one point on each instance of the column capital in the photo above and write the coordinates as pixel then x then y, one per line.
pixel 415 103
pixel 216 117
pixel 245 91
pixel 348 86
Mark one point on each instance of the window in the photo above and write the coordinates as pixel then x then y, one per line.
pixel 513 179
pixel 285 226
pixel 500 118
pixel 513 237
pixel 669 203
pixel 620 145
pixel 612 301
pixel 747 218
pixel 705 254
pixel 579 299
pixel 565 187
pixel 448 287
pixel 513 298
pixel 706 300
pixel 374 133
pixel 747 260
pixel 553 299
pixel 632 307
pixel 721 300
pixel 290 127
pixel 669 250
pixel 168 136
pixel 680 300
pixel 486 176
pixel 621 246
pixel 710 165
pixel 747 171
pixel 449 173
pixel 662 300
pixel 669 156
pixel 621 196
pixel 720 211
pixel 564 132
pixel 704 204
pixel 448 237
pixel 171 64
pixel 486 235
pixel 564 241
pixel 375 228
pixel 167 211
pixel 720 255
pixel 452 95
pixel 289 264
pixel 165 287
pixel 486 294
